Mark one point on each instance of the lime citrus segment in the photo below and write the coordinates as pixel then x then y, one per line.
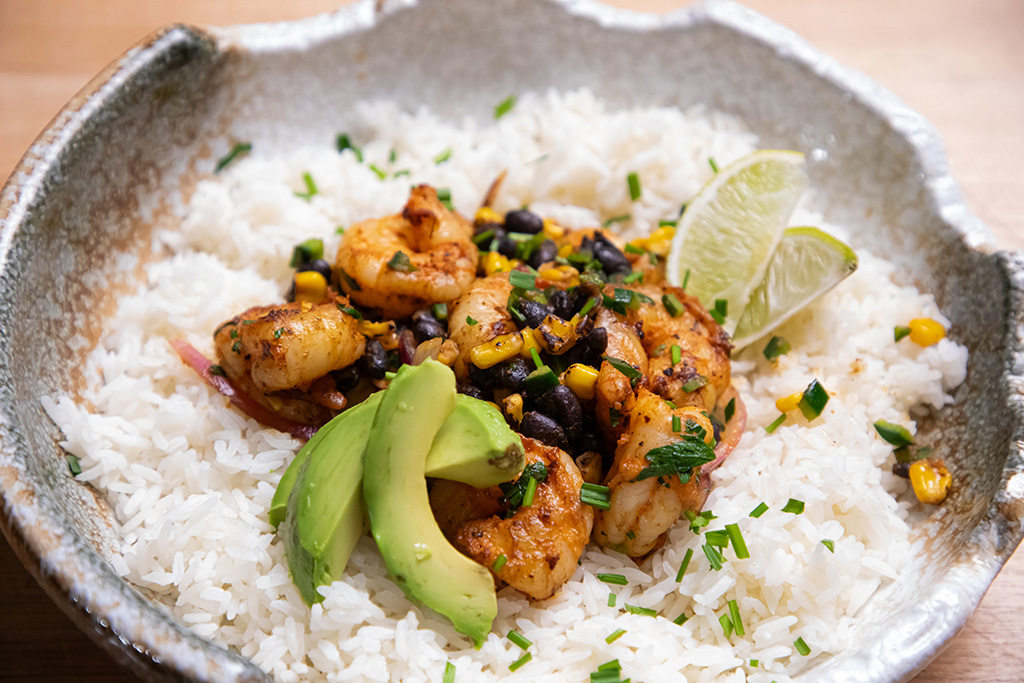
pixel 731 228
pixel 807 263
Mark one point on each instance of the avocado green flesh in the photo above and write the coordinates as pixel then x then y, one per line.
pixel 475 446
pixel 417 555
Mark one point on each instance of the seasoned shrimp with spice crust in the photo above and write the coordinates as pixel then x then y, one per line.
pixel 480 315
pixel 541 543
pixel 405 262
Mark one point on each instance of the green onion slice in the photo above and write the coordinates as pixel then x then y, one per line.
pixel 617 579
pixel 633 180
pixel 617 219
pixel 814 400
pixel 504 106
pixel 738 543
pixel 595 495
pixel 519 640
pixel 730 409
pixel 895 434
pixel 73 464
pixel 672 304
pixel 734 616
pixel 775 424
pixel 686 563
pixel 518 278
pixel 795 506
pixel 726 623
pixel 900 331
pixel 681 619
pixel 677 354
pixel 618 633
pixel 239 149
pixel 641 611
pixel 801 647
pixel 449 673
pixel 719 538
pixel 400 262
pixel 714 557
pixel 500 562
pixel 518 664
pixel 829 543
pixel 759 510
pixel 777 346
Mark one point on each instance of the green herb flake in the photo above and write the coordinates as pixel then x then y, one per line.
pixel 217 370
pixel 894 434
pixel 720 311
pixel 686 279
pixel 633 181
pixel 443 156
pixel 777 346
pixel 617 219
pixel 739 545
pixel 518 493
pixel 641 611
pixel 899 332
pixel 713 164
pixel 340 230
pixel 311 188
pixel 74 464
pixel 734 616
pixel 239 149
pixel 759 510
pixel 775 424
pixel 814 400
pixel 663 223
pixel 499 562
pixel 714 557
pixel 595 495
pixel 618 633
pixel 350 311
pixel 718 538
pixel 392 156
pixel 633 277
pixel 518 664
pixel 615 579
pixel 470 321
pixel 681 619
pixel 633 249
pixel 401 172
pixel 631 535
pixel 401 263
pixel 686 563
pixel 306 252
pixel 440 311
pixel 795 506
pixel 519 640
pixel 518 278
pixel 726 623
pixel 504 106
pixel 380 172
pixel 677 356
pixel 830 544
pixel 343 142
pixel 449 673
pixel 730 409
pixel 801 647
pixel 694 383
pixel 237 346
pixel 625 368
pixel 612 598
pixel 588 307
pixel 673 305
pixel 677 424
pixel 614 417
pixel 278 332
pixel 679 458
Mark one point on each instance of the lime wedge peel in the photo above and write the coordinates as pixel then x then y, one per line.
pixel 730 230
pixel 807 263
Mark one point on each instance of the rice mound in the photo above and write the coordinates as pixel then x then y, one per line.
pixel 191 478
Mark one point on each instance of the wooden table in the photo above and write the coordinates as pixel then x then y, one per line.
pixel 959 63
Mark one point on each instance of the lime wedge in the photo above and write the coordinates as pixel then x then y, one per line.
pixel 807 264
pixel 731 228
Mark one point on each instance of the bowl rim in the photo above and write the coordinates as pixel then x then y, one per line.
pixel 33 526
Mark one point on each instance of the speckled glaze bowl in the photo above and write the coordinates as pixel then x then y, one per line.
pixel 124 155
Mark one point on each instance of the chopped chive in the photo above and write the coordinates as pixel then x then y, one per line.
pixel 631 535
pixel 795 506
pixel 470 321
pixel 499 562
pixel 814 400
pixel 641 611
pixel 588 307
pixel 217 370
pixel 633 180
pixel 449 673
pixel 612 599
pixel 595 495
pixel 400 262
pixel 714 557
pixel 686 563
pixel 614 416
pixel 776 423
pixel 618 633
pixel 402 172
pixel 307 251
pixel 895 434
pixel 518 639
pixel 719 538
pixel 440 311
pixel 633 277
pixel 739 545
pixel 518 278
pixel 686 279
pixel 504 106
pixel 535 356
pixel 734 616
pixel 670 404
pixel 349 280
pixel 900 331
pixel 607 666
pixel 617 579
pixel 730 409
pixel 617 219
pixel 311 188
pixel 754 663
pixel 801 647
pixel 444 195
pixel 677 355
pixel 634 249
pixel 694 383
pixel 677 424
pixel 713 164
pixel 340 230
pixel 237 346
pixel 518 664
pixel 73 464
pixel 720 311
pixel 241 148
pixel 625 368
pixel 672 304
pixel 681 619
pixel 777 346
pixel 343 142
pixel 392 156
pixel 726 623
pixel 663 223
pixel 443 156
pixel 652 258
pixel 759 510
pixel 531 491
pixel 829 543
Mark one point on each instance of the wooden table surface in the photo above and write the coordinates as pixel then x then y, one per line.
pixel 959 63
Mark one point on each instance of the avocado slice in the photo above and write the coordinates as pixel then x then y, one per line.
pixel 476 446
pixel 417 555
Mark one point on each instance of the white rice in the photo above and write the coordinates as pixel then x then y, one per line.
pixel 191 479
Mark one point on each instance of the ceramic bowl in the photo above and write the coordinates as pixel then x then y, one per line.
pixel 124 155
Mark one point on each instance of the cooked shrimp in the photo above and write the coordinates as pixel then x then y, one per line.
pixel 281 355
pixel 703 349
pixel 541 543
pixel 642 511
pixel 614 391
pixel 438 243
pixel 485 304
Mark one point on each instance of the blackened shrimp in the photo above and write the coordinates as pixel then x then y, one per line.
pixel 615 392
pixel 405 262
pixel 541 543
pixel 643 510
pixel 480 315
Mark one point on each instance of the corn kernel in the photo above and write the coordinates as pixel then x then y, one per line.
pixel 529 341
pixel 931 480
pixel 565 250
pixel 563 275
pixel 513 406
pixel 788 403
pixel 369 328
pixel 925 331
pixel 556 335
pixel 486 214
pixel 310 286
pixel 658 242
pixel 499 349
pixel 552 229
pixel 494 262
pixel 582 379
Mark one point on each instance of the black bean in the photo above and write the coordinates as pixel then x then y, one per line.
pixel 487 379
pixel 561 304
pixel 347 378
pixel 484 227
pixel 512 374
pixel 562 403
pixel 470 390
pixel 578 297
pixel 375 360
pixel 522 220
pixel 406 346
pixel 533 312
pixel 594 346
pixel 612 260
pixel 541 427
pixel 319 265
pixel 547 251
pixel 507 246
pixel 588 441
pixel 901 469
pixel 425 326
